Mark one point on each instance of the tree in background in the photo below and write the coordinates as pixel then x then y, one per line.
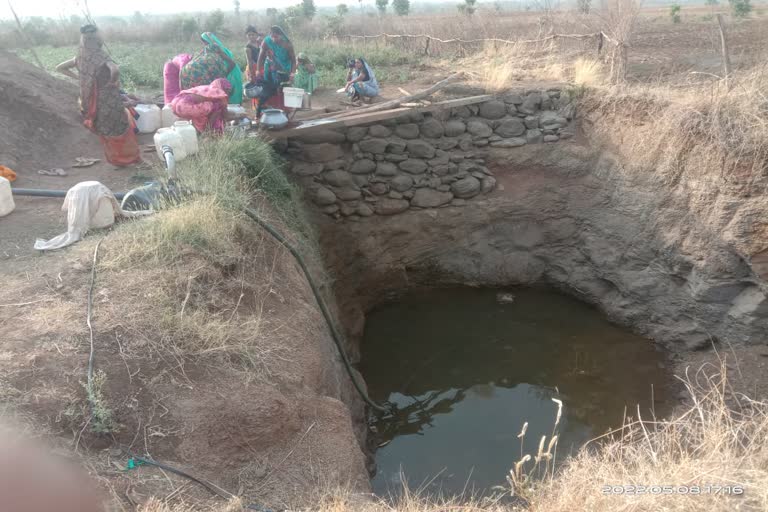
pixel 237 8
pixel 308 8
pixel 674 13
pixel 401 7
pixel 342 10
pixel 584 6
pixel 214 22
pixel 271 13
pixel 381 5
pixel 711 2
pixel 740 8
pixel 468 7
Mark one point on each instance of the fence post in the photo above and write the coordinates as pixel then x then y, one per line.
pixel 426 46
pixel 724 49
pixel 599 43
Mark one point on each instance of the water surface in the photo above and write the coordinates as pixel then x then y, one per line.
pixel 467 371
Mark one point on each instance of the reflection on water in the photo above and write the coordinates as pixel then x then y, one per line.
pixel 466 372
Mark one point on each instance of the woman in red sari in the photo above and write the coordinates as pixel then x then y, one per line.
pixel 100 101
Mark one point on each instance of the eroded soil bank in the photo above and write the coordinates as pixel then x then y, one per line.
pixel 670 260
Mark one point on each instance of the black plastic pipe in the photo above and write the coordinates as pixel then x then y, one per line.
pixel 39 192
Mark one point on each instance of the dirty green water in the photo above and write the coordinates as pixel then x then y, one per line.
pixel 467 371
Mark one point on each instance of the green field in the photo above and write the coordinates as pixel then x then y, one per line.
pixel 141 64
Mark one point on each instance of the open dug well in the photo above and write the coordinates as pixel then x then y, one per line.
pixel 212 356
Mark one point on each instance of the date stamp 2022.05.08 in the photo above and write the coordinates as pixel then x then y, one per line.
pixel 637 490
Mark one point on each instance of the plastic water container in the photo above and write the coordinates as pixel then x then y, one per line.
pixel 6 197
pixel 168 117
pixel 150 118
pixel 169 136
pixel 293 97
pixel 188 135
pixel 105 214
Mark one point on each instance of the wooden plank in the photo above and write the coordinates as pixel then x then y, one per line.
pixel 372 117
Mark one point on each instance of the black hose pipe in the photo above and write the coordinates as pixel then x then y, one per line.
pixel 39 192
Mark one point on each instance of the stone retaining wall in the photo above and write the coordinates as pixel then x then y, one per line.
pixel 423 160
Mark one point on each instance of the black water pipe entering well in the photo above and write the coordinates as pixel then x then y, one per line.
pixel 35 192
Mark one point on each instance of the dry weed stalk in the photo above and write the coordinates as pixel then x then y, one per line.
pixel 618 18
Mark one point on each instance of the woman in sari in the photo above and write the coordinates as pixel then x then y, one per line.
pixel 100 101
pixel 361 82
pixel 306 76
pixel 171 70
pixel 214 61
pixel 204 105
pixel 276 64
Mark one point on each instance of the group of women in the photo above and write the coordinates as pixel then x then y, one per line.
pixel 200 87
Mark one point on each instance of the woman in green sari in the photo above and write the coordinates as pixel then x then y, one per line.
pixel 276 64
pixel 306 76
pixel 214 61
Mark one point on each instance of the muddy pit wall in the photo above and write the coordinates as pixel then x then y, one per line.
pixel 510 192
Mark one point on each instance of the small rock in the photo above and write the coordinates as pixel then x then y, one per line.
pixel 402 183
pixel 466 187
pixel 511 110
pixel 446 143
pixel 360 179
pixel 546 101
pixel 321 153
pixel 336 164
pixel 395 158
pixel 331 209
pixel 440 159
pixel 457 157
pixel 408 194
pixel 432 129
pixel 565 134
pixel 534 136
pixel 513 98
pixel 356 133
pixel 420 149
pixel 379 188
pixel 407 131
pixel 396 146
pixel 478 175
pixel 363 166
pixel 386 169
pixel 388 206
pixel 481 143
pixel 494 138
pixel 550 120
pixel 413 166
pixel 478 129
pixel 375 146
pixel 463 112
pixel 380 131
pixel 458 202
pixel 465 144
pixel 324 197
pixel 429 198
pixel 530 103
pixel 510 143
pixel 454 128
pixel 531 122
pixel 551 138
pixel 487 184
pixel 348 194
pixel 394 194
pixel 306 169
pixel 441 170
pixel 347 210
pixel 493 109
pixel 364 210
pixel 338 178
pixel 329 136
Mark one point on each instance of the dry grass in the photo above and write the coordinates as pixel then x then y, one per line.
pixel 718 442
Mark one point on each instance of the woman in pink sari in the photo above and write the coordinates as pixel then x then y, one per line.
pixel 171 86
pixel 205 105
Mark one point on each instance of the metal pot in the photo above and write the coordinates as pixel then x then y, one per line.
pixel 273 119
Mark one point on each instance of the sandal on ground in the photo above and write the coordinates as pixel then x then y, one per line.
pixel 52 172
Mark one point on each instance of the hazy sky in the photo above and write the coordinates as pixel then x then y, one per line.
pixel 56 8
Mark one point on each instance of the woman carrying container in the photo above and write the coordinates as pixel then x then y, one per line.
pixel 361 82
pixel 100 101
pixel 276 64
pixel 214 61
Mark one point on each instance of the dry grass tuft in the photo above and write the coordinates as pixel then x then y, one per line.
pixel 718 442
pixel 587 72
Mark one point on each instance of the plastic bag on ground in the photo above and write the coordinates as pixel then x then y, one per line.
pixel 89 204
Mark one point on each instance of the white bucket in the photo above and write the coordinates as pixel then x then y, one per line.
pixel 6 197
pixel 168 116
pixel 188 135
pixel 293 97
pixel 169 136
pixel 150 118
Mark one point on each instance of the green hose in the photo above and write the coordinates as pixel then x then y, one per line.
pixel 320 302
